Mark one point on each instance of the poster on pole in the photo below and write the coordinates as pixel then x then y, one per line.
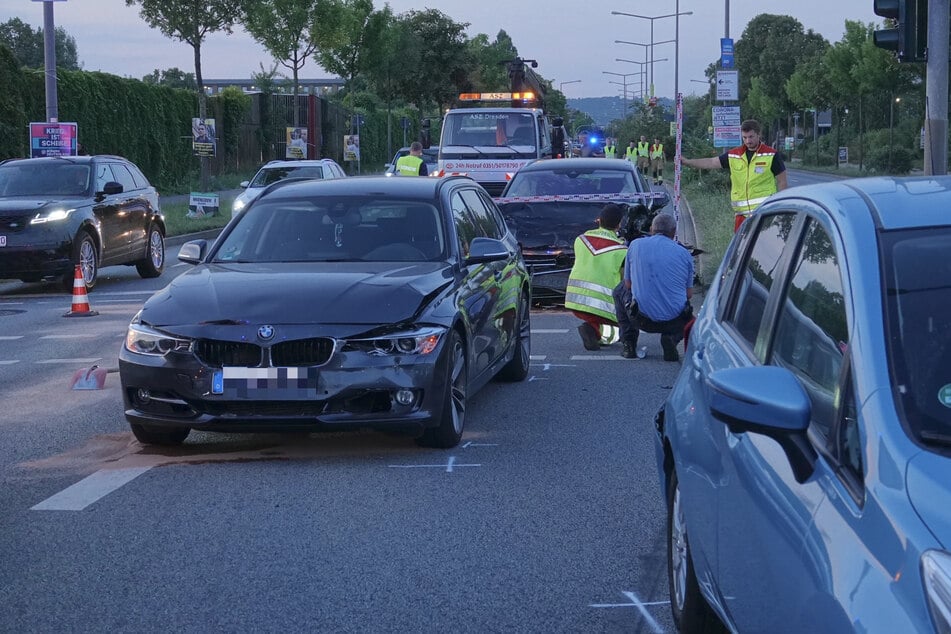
pixel 351 147
pixel 296 139
pixel 203 137
pixel 53 139
pixel 726 126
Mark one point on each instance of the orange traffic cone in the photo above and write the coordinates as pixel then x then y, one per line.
pixel 80 305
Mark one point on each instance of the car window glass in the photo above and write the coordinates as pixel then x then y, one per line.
pixel 494 212
pixel 733 258
pixel 103 176
pixel 758 274
pixel 480 213
pixel 812 333
pixel 141 182
pixel 466 228
pixel 848 442
pixel 124 177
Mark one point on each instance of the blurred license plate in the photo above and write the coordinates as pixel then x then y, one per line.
pixel 3 241
pixel 244 379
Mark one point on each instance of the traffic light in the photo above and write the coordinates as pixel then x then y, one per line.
pixel 909 36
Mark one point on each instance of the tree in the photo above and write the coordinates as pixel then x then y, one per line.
pixel 284 28
pixel 27 45
pixel 190 21
pixel 490 58
pixel 171 78
pixel 342 32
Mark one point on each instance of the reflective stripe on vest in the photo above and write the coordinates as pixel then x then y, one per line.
pixel 599 254
pixel 752 181
pixel 408 165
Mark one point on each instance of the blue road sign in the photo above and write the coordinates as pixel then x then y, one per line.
pixel 726 52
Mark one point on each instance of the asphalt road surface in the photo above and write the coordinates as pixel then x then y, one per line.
pixel 547 518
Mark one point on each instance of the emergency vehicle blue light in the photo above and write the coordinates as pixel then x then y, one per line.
pixel 593 140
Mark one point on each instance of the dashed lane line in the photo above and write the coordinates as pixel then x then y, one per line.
pixel 90 489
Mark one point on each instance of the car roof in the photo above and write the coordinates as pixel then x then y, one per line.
pixel 365 185
pixel 586 162
pixel 297 163
pixel 894 202
pixel 85 158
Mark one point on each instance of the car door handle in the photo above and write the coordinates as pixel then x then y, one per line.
pixel 696 360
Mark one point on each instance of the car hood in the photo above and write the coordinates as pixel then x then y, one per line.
pixel 25 206
pixel 550 224
pixel 295 293
pixel 927 482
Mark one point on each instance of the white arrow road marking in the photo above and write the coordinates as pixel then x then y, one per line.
pixel 89 360
pixel 641 607
pixel 449 466
pixel 90 489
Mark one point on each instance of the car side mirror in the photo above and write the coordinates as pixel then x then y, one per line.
pixel 487 250
pixel 193 252
pixel 112 188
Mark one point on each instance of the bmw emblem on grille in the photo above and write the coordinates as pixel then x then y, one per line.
pixel 266 332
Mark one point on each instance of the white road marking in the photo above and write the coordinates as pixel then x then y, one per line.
pixel 449 466
pixel 90 489
pixel 537 357
pixel 479 444
pixel 11 337
pixel 641 607
pixel 89 360
pixel 597 357
pixel 79 336
pixel 549 331
pixel 11 362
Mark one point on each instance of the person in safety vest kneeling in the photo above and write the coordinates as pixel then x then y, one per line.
pixel 756 171
pixel 599 258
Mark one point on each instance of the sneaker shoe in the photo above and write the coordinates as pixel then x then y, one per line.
pixel 629 351
pixel 590 337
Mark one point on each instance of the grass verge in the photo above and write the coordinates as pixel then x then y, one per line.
pixel 713 217
pixel 177 223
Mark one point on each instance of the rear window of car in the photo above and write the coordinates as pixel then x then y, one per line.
pixel 573 181
pixel 270 175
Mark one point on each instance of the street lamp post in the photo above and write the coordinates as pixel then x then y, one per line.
pixel 646 60
pixel 891 122
pixel 652 18
pixel 623 77
pixel 643 71
pixel 561 85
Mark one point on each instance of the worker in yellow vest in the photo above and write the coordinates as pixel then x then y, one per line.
pixel 657 161
pixel 610 149
pixel 412 164
pixel 599 261
pixel 756 171
pixel 643 156
pixel 630 153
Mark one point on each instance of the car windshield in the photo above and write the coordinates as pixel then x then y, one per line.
pixel 269 175
pixel 572 181
pixel 917 295
pixel 501 129
pixel 336 229
pixel 45 179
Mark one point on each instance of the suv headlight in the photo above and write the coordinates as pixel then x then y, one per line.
pixel 144 340
pixel 936 574
pixel 51 216
pixel 420 341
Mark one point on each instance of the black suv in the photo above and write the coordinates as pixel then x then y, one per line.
pixel 92 211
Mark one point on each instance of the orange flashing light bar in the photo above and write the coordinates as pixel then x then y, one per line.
pixel 496 96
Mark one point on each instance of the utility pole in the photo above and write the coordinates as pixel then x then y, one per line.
pixel 936 90
pixel 49 61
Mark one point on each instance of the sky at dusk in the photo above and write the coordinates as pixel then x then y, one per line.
pixel 571 40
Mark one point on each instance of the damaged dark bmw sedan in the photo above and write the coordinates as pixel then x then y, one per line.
pixel 325 305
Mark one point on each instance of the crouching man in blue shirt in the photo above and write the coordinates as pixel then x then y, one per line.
pixel 654 295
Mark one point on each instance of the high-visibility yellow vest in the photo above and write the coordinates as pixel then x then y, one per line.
pixel 630 154
pixel 642 148
pixel 610 151
pixel 408 165
pixel 657 151
pixel 599 255
pixel 752 181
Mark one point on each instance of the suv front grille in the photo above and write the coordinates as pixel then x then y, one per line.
pixel 303 352
pixel 13 224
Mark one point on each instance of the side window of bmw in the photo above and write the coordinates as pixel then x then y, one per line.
pixel 812 334
pixel 487 225
pixel 757 276
pixel 466 229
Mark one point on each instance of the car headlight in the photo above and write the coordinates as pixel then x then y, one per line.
pixel 238 205
pixel 936 573
pixel 421 341
pixel 51 216
pixel 144 340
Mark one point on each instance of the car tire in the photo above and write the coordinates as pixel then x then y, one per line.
pixel 452 419
pixel 517 369
pixel 86 256
pixel 153 436
pixel 153 263
pixel 690 610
